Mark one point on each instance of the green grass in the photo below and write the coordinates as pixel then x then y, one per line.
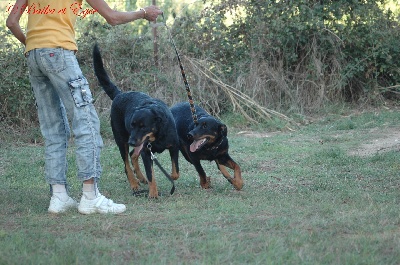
pixel 306 200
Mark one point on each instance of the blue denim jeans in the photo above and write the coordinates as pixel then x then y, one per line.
pixel 62 94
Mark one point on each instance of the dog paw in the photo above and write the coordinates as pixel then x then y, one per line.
pixel 174 176
pixel 135 188
pixel 237 183
pixel 153 196
pixel 207 184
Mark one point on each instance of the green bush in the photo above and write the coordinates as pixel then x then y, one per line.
pixel 304 53
pixel 16 101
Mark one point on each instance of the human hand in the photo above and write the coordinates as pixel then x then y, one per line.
pixel 151 12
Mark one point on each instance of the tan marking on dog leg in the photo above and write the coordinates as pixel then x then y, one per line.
pixel 129 173
pixel 174 173
pixel 139 174
pixel 205 182
pixel 237 181
pixel 153 192
pixel 225 172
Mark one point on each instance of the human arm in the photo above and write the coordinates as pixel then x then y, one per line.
pixel 114 17
pixel 12 21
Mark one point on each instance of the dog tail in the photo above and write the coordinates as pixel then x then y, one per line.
pixel 109 87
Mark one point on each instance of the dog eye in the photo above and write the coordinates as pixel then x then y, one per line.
pixel 204 125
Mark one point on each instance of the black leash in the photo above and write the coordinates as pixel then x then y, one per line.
pixel 189 93
pixel 191 102
pixel 154 158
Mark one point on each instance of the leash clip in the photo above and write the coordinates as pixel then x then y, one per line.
pixel 151 153
pixel 154 158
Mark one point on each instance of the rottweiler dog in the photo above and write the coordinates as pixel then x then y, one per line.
pixel 142 122
pixel 206 140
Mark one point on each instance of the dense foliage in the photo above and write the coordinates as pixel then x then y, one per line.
pixel 302 52
pixel 290 56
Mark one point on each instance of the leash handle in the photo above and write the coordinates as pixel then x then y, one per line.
pixel 189 93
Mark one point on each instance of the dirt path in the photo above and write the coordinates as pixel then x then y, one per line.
pixel 380 141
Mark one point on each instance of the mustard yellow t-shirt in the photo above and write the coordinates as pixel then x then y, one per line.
pixel 51 24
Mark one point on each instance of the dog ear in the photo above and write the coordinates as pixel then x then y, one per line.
pixel 223 130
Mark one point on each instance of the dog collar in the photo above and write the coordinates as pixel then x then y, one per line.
pixel 216 146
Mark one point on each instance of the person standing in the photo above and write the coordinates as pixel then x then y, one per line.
pixel 61 92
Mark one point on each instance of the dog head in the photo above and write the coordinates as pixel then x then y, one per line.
pixel 206 133
pixel 144 125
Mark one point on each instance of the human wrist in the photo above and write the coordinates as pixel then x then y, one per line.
pixel 144 12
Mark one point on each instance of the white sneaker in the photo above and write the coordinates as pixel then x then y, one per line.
pixel 58 206
pixel 100 205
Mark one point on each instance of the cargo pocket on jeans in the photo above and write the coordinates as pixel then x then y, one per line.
pixel 80 92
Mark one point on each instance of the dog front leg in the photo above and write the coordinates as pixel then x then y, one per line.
pixel 153 192
pixel 148 166
pixel 135 163
pixel 205 182
pixel 174 161
pixel 128 170
pixel 237 180
pixel 139 174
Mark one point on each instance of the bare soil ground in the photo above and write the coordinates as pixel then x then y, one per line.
pixel 379 140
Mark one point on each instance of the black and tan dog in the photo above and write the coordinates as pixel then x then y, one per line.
pixel 138 120
pixel 205 141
